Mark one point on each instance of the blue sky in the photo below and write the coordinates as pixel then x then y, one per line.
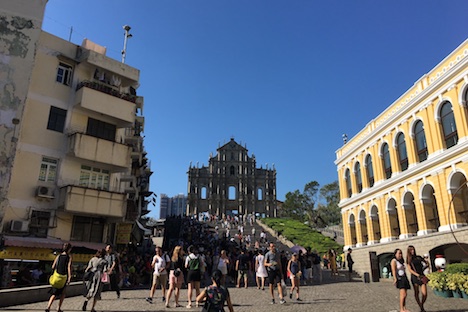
pixel 287 78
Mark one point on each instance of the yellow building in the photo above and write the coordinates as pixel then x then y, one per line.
pixel 403 177
pixel 75 169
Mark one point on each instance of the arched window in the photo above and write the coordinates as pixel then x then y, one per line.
pixel 349 190
pixel 387 164
pixel 232 193
pixel 357 176
pixel 402 154
pixel 421 145
pixel 369 171
pixel 203 192
pixel 448 125
pixel 259 194
pixel 232 170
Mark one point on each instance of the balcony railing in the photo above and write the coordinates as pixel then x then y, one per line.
pixel 106 89
pixel 99 150
pixel 83 200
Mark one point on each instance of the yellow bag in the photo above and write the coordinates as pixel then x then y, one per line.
pixel 57 280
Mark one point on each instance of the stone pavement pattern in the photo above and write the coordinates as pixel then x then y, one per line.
pixel 332 296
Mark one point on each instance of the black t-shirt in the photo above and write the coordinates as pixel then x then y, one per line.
pixel 243 262
pixel 417 264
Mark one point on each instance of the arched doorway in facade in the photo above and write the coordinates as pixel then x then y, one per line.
pixel 430 209
pixel 374 217
pixel 393 218
pixel 409 210
pixel 363 225
pixel 459 207
pixel 453 253
pixel 352 229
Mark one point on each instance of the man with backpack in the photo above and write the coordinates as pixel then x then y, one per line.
pixel 193 263
pixel 242 268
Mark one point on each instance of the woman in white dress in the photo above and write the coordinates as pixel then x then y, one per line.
pixel 223 266
pixel 260 270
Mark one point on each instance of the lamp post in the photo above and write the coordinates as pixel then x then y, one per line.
pixel 126 36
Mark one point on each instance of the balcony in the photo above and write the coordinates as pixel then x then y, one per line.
pixel 99 150
pixel 103 99
pixel 78 199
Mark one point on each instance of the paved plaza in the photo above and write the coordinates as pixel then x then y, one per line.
pixel 329 296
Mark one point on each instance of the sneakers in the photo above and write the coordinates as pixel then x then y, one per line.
pixel 298 299
pixel 282 301
pixel 149 300
pixel 290 296
pixel 272 301
pixel 164 299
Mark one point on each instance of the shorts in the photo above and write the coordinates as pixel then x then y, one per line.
pixel 160 279
pixel 176 280
pixel 242 273
pixel 274 277
pixel 193 276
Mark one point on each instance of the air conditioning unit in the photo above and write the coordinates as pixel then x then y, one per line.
pixel 19 226
pixel 45 192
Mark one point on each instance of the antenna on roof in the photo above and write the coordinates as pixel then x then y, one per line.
pixel 127 35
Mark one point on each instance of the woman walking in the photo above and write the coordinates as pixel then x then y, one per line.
pixel 416 267
pixel 294 270
pixel 215 295
pixel 223 265
pixel 260 270
pixel 399 277
pixel 63 265
pixel 176 276
pixel 193 263
pixel 94 284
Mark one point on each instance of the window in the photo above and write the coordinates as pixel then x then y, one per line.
pixel 402 153
pixel 370 171
pixel 232 170
pixel 203 192
pixel 358 177
pixel 421 145
pixel 87 229
pixel 448 125
pixel 259 194
pixel 387 164
pixel 349 190
pixel 56 119
pixel 64 73
pixel 101 129
pixel 94 178
pixel 232 193
pixel 39 224
pixel 48 172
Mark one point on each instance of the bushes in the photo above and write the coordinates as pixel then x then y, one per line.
pixel 301 234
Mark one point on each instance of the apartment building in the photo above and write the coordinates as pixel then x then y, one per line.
pixel 77 170
pixel 403 176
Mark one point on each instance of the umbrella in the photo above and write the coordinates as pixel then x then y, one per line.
pixel 298 248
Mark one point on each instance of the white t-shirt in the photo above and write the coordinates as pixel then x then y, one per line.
pixel 160 264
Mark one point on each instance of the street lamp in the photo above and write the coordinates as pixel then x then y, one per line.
pixel 126 36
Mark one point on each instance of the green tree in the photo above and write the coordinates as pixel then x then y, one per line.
pixel 330 212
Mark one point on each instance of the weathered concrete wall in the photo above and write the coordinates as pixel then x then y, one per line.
pixel 20 27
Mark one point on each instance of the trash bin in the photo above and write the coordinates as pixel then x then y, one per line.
pixel 366 277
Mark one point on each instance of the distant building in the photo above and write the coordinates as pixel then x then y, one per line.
pixel 172 206
pixel 403 177
pixel 232 184
pixel 72 160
